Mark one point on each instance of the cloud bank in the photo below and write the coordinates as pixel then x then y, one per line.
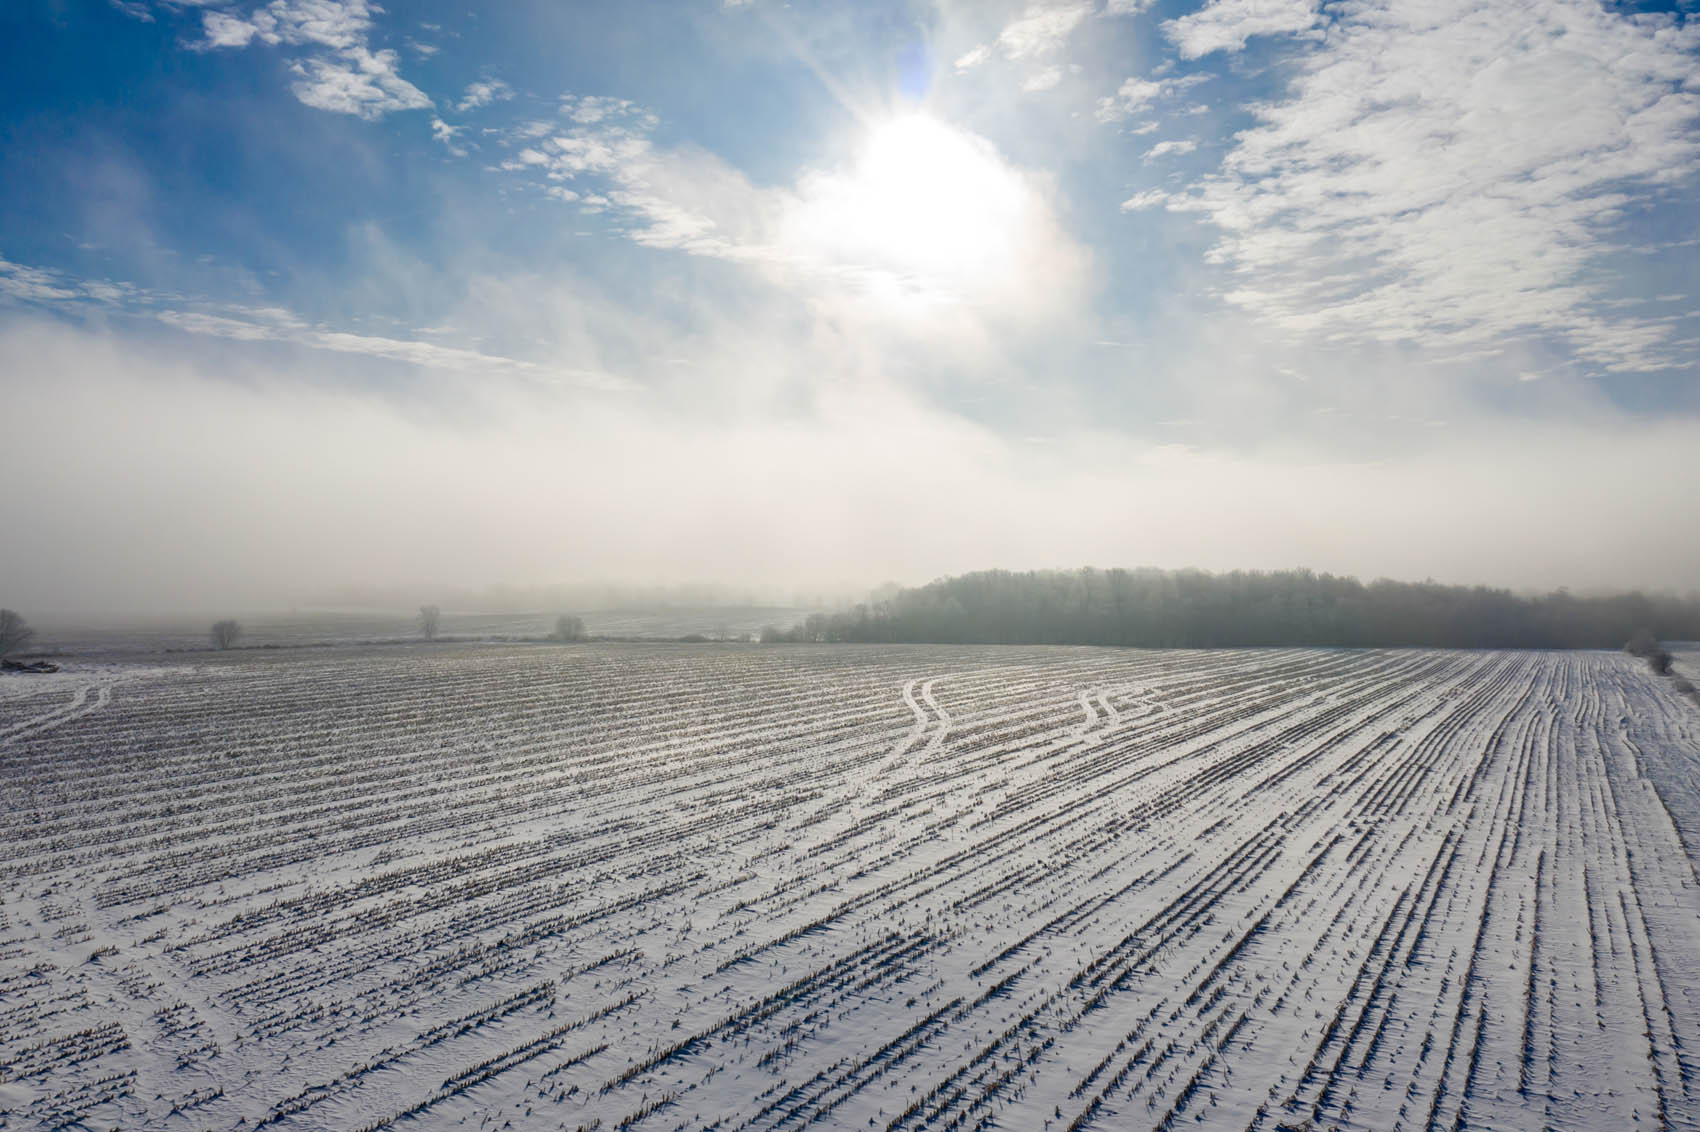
pixel 174 486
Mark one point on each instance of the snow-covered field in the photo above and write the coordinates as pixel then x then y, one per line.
pixel 736 887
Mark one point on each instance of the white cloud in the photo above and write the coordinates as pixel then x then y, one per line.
pixel 588 109
pixel 1046 79
pixel 135 9
pixel 357 81
pixel 33 285
pixel 483 93
pixel 224 30
pixel 218 326
pixel 339 71
pixel 974 57
pixel 1225 25
pixel 428 355
pixel 1150 198
pixel 924 217
pixel 1448 172
pixel 337 24
pixel 445 133
pixel 1165 148
pixel 55 290
pixel 1041 30
pixel 1136 95
pixel 1127 7
pixel 1132 96
pixel 1038 33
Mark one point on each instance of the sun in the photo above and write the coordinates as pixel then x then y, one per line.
pixel 927 202
pixel 936 198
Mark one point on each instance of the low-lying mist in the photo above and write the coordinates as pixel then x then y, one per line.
pixel 141 478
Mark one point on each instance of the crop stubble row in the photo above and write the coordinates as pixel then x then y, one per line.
pixel 667 887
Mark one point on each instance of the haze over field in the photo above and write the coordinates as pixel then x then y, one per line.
pixel 309 293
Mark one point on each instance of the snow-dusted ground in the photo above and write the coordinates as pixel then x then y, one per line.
pixel 671 887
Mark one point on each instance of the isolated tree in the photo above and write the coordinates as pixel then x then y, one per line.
pixel 569 628
pixel 14 634
pixel 1643 643
pixel 225 633
pixel 429 616
pixel 1646 646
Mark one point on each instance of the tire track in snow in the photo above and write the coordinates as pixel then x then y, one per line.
pixel 79 706
pixel 932 722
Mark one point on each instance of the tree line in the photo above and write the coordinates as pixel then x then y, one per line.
pixel 1197 609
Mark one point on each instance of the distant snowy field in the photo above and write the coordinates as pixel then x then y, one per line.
pixel 670 887
pixel 309 628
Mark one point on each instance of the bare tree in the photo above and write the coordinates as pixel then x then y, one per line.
pixel 225 633
pixel 14 634
pixel 569 628
pixel 429 617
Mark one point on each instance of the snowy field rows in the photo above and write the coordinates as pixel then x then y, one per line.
pixel 670 887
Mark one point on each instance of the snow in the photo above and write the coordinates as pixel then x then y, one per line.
pixel 664 887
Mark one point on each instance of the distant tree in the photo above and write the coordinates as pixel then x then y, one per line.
pixel 429 616
pixel 569 628
pixel 14 633
pixel 1646 646
pixel 225 633
pixel 1643 643
pixel 1193 609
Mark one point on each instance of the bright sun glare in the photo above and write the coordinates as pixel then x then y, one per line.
pixel 923 200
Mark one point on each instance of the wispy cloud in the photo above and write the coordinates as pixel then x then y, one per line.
pixel 973 57
pixel 1448 172
pixel 1150 198
pixel 31 284
pixel 1036 36
pixel 839 229
pixel 1137 95
pixel 1046 79
pixel 483 93
pixel 445 133
pixel 55 290
pixel 1166 148
pixel 1041 30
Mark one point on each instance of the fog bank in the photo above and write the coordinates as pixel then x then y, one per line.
pixel 140 479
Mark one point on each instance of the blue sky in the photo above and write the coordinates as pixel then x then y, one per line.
pixel 780 294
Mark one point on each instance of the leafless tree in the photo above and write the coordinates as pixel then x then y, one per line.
pixel 225 633
pixel 569 628
pixel 14 634
pixel 429 617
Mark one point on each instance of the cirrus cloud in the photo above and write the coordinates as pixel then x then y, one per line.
pixel 1450 172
